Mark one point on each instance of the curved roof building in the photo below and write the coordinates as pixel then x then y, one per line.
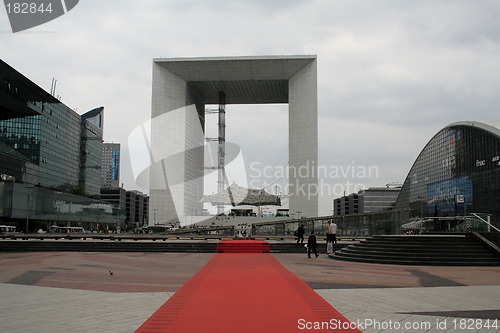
pixel 457 173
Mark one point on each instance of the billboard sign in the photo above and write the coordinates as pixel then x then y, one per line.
pixel 444 196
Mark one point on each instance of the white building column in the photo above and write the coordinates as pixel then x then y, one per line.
pixel 303 141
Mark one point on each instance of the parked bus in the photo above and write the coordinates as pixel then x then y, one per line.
pixel 158 228
pixel 7 228
pixel 66 230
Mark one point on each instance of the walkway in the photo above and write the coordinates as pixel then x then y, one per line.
pixel 74 292
pixel 242 292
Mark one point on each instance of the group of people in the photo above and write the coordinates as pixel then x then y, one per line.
pixel 312 244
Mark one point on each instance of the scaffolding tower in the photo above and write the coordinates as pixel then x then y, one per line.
pixel 221 152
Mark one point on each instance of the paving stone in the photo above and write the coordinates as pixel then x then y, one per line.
pixel 144 282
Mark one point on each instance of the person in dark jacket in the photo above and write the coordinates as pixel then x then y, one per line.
pixel 300 235
pixel 311 245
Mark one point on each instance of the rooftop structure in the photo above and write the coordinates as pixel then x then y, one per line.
pixel 236 195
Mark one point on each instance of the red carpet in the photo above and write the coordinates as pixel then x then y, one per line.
pixel 244 292
pixel 243 246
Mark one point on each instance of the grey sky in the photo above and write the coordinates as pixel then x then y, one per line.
pixel 390 73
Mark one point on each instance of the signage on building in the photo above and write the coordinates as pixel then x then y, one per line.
pixel 115 162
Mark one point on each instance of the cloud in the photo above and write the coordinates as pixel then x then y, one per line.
pixel 390 73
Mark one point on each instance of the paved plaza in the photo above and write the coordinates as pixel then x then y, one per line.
pixel 75 292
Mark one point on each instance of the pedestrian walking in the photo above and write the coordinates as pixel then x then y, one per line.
pixel 311 245
pixel 331 236
pixel 300 235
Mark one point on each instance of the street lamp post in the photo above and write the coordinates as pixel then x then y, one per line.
pixel 69 214
pixel 58 205
pixel 28 210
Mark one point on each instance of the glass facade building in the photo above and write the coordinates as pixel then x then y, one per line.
pixel 457 173
pixel 110 165
pixel 91 151
pixel 44 144
pixel 62 147
pixel 39 205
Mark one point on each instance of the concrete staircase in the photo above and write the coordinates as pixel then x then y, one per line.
pixel 436 250
pixel 36 245
pixel 105 246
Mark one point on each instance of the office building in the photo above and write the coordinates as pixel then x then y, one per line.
pixel 116 196
pixel 457 173
pixel 50 156
pixel 373 199
pixel 136 202
pixel 45 142
pixel 110 165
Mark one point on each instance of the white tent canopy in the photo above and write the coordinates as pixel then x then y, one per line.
pixel 236 195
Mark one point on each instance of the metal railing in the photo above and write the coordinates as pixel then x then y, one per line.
pixel 449 224
pixel 379 223
pixel 487 222
pixel 356 225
